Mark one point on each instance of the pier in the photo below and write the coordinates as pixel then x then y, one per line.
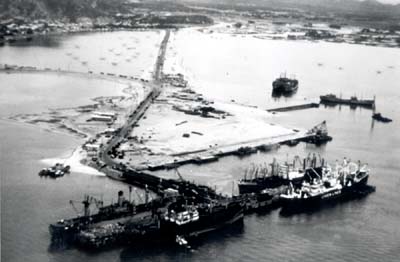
pixel 140 110
pixel 293 108
pixel 215 153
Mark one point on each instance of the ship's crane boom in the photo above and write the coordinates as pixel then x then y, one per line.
pixel 88 200
pixel 179 174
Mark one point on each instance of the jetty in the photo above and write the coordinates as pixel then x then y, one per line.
pixel 294 107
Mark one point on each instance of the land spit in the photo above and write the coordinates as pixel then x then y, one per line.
pixel 181 126
pixel 161 123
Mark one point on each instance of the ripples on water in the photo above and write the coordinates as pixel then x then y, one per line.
pixel 361 230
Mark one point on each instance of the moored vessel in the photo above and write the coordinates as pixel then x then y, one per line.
pixel 343 182
pixel 353 101
pixel 379 117
pixel 285 84
pixel 178 221
pixel 187 221
pixel 276 175
pixel 66 231
pixel 58 170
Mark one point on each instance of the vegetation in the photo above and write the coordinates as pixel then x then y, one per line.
pixel 70 9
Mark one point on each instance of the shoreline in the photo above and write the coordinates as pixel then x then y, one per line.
pixel 75 161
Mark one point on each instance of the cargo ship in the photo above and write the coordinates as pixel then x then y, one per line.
pixel 187 221
pixel 332 99
pixel 178 222
pixel 343 182
pixel 284 84
pixel 258 178
pixel 58 170
pixel 66 231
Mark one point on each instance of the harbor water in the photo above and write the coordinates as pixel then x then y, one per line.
pixel 222 67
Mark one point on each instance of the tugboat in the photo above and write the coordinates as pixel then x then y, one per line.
pixel 58 170
pixel 353 101
pixel 284 84
pixel 344 182
pixel 379 117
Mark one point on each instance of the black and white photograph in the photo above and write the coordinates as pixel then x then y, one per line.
pixel 200 130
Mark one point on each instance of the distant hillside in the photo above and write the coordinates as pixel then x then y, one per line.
pixel 71 9
pixel 367 7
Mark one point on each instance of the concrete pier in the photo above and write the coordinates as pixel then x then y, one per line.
pixel 295 107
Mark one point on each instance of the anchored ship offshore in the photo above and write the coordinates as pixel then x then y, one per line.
pixel 332 99
pixel 285 84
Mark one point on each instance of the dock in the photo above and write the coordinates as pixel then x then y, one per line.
pixel 213 154
pixel 293 108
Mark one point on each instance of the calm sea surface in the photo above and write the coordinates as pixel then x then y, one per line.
pixel 223 67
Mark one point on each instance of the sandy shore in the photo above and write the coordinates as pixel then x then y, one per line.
pixel 74 160
pixel 76 121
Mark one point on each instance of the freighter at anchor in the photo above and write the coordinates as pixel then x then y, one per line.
pixel 285 84
pixel 353 101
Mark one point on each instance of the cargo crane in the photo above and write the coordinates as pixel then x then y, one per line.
pixel 318 134
pixel 179 174
pixel 86 202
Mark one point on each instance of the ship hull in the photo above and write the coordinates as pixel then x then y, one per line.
pixel 257 185
pixel 216 218
pixel 334 101
pixel 298 205
pixel 284 86
pixel 155 229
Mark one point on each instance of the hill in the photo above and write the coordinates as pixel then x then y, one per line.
pixel 70 9
pixel 366 8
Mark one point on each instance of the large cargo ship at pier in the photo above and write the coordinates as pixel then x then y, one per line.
pixel 178 222
pixel 275 175
pixel 332 184
pixel 65 231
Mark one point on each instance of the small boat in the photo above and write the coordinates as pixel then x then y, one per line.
pixel 245 150
pixel 292 142
pixel 379 117
pixel 58 170
pixel 284 84
pixel 353 101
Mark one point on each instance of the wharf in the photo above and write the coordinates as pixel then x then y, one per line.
pixel 213 154
pixel 293 108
